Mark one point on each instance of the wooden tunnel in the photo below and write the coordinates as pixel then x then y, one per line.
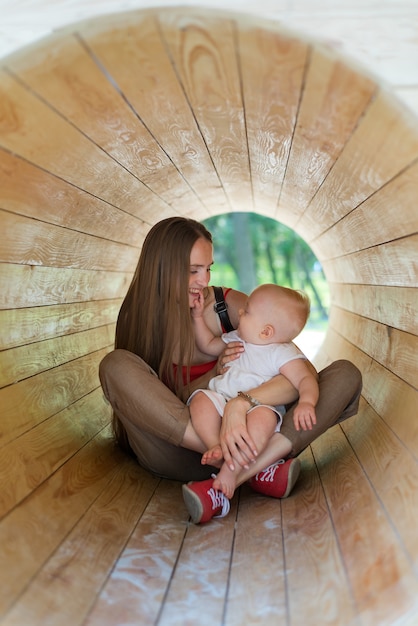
pixel 105 128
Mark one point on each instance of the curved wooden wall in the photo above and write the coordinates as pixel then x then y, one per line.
pixel 112 125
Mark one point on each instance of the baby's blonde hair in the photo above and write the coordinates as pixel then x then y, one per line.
pixel 285 307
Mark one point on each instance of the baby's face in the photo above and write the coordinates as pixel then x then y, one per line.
pixel 251 321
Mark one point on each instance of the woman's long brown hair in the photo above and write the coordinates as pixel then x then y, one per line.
pixel 154 318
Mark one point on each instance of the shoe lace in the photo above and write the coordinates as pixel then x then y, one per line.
pixel 219 500
pixel 267 474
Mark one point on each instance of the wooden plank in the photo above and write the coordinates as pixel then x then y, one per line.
pixel 136 588
pixel 23 326
pixel 31 533
pixel 272 67
pixel 394 306
pixel 30 128
pixel 377 566
pixel 393 264
pixel 334 97
pixel 26 240
pixel 204 52
pixel 66 76
pixel 63 591
pixel 391 469
pixel 315 571
pixel 394 400
pixel 376 220
pixel 24 286
pixel 135 56
pixel 198 581
pixel 19 363
pixel 28 190
pixel 364 166
pixel 257 585
pixel 392 348
pixel 30 402
pixel 33 457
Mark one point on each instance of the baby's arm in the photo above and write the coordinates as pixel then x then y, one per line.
pixel 302 378
pixel 206 341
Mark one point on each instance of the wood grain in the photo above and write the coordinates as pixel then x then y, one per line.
pixel 392 348
pixel 31 242
pixel 398 466
pixel 138 63
pixel 205 57
pixel 394 306
pixel 197 582
pixel 58 594
pixel 333 99
pixel 84 95
pixel 254 594
pixel 50 199
pixel 364 167
pixel 42 450
pixel 393 399
pixel 393 264
pixel 20 327
pixel 315 569
pixel 28 128
pixel 375 221
pixel 30 402
pixel 272 71
pixel 29 286
pixel 138 584
pixel 19 363
pixel 377 567
pixel 32 532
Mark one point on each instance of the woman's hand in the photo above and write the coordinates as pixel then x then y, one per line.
pixel 237 445
pixel 232 351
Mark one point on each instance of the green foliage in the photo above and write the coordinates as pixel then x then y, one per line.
pixel 250 249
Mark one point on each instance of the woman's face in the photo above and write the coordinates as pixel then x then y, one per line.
pixel 201 260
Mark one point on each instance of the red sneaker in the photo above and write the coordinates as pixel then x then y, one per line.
pixel 204 502
pixel 277 480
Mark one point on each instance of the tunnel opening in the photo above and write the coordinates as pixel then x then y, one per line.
pixel 250 249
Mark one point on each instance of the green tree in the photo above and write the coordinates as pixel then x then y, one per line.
pixel 251 249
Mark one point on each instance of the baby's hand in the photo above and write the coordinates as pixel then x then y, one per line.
pixel 304 416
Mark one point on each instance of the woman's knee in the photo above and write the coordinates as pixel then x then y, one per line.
pixel 352 377
pixel 119 368
pixel 343 370
pixel 109 364
pixel 340 387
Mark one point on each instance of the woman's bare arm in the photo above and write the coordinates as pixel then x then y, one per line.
pixel 237 445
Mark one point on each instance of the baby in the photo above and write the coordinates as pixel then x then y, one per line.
pixel 272 318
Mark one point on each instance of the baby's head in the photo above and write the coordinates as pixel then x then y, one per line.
pixel 273 314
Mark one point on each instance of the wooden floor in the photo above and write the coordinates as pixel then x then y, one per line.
pixel 118 548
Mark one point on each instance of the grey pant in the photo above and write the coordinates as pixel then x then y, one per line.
pixel 155 419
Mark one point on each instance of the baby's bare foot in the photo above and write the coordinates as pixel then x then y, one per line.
pixel 213 456
pixel 225 482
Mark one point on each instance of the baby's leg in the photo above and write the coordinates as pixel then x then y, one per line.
pixel 205 419
pixel 261 424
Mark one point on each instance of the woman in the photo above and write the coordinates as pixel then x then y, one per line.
pixel 156 365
